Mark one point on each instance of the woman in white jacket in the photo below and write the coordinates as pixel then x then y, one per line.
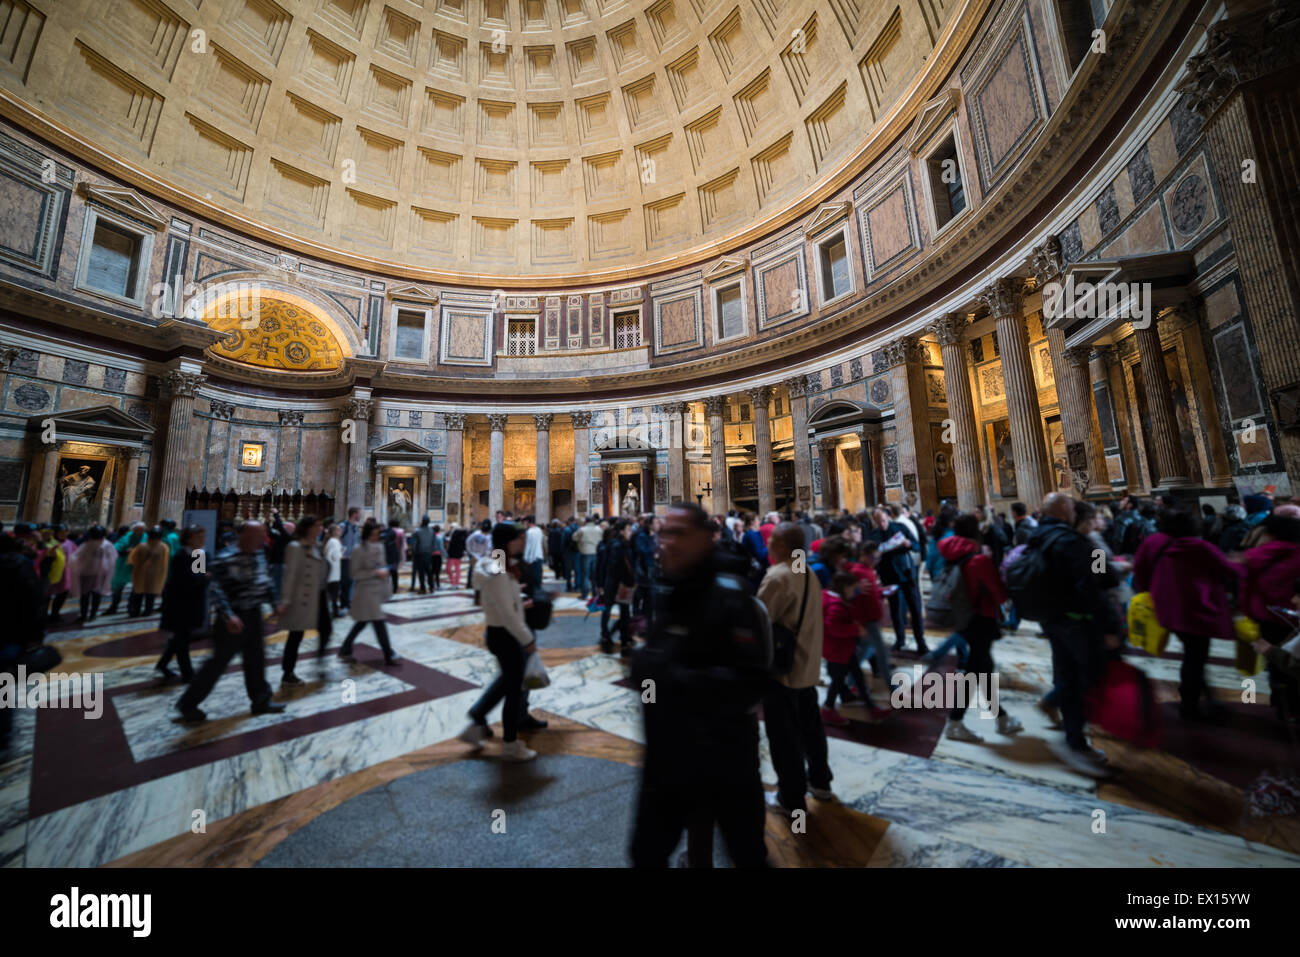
pixel 302 594
pixel 509 638
pixel 370 589
pixel 334 559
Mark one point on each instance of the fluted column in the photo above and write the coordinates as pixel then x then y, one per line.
pixel 1108 367
pixel 542 510
pixel 289 455
pixel 906 357
pixel 497 465
pixel 355 427
pixel 1165 442
pixel 455 422
pixel 1246 85
pixel 179 387
pixel 763 447
pixel 950 331
pixel 1004 298
pixel 830 475
pixel 44 508
pixel 582 504
pixel 380 498
pixel 1078 414
pixel 129 463
pixel 674 413
pixel 797 387
pixel 714 405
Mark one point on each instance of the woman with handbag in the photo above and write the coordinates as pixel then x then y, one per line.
pixel 370 578
pixel 303 600
pixel 510 640
pixel 184 604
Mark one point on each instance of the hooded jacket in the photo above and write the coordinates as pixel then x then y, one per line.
pixel 1188 584
pixel 983 583
pixel 1270 575
pixel 839 629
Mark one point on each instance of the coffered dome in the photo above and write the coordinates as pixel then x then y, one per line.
pixel 485 138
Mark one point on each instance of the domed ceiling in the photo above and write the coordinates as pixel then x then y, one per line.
pixel 482 138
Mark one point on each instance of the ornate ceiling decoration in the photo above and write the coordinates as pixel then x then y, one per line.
pixel 277 335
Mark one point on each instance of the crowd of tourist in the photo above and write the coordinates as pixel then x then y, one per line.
pixel 736 612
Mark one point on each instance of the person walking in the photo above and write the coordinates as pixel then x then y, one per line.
pixel 91 574
pixel 841 632
pixel 534 552
pixel 349 539
pixel 185 609
pixel 588 537
pixel 1270 572
pixel 58 553
pixel 394 542
pixel 303 602
pixel 476 547
pixel 986 593
pixel 795 735
pixel 620 581
pixel 422 555
pixel 148 573
pixel 707 655
pixel 897 568
pixel 125 541
pixel 455 553
pixel 240 588
pixel 435 559
pixel 509 639
pixel 334 560
pixel 371 579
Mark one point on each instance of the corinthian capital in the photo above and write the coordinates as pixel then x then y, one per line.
pixel 358 410
pixel 760 396
pixel 714 405
pixel 797 386
pixel 290 417
pixel 903 350
pixel 1004 297
pixel 182 385
pixel 542 421
pixel 674 408
pixel 1047 260
pixel 950 329
pixel 497 421
pixel 222 410
pixel 581 420
pixel 454 421
pixel 1078 356
pixel 1240 49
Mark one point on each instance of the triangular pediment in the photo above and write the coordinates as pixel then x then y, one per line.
pixel 726 266
pixel 101 423
pixel 401 447
pixel 414 293
pixel 126 201
pixel 828 214
pixel 932 116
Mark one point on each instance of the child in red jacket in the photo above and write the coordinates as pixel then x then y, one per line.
pixel 869 609
pixel 840 634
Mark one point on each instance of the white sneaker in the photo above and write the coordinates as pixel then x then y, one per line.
pixel 517 751
pixel 1008 724
pixel 1090 763
pixel 957 731
pixel 822 794
pixel 473 735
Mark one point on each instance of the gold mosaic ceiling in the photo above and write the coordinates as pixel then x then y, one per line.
pixel 276 334
pixel 487 137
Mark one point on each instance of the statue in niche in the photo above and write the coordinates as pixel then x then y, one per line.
pixel 631 501
pixel 400 500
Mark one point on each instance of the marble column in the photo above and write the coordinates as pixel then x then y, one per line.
pixel 128 463
pixel 869 446
pixel 797 386
pixel 542 510
pixel 906 358
pixel 678 477
pixel 950 331
pixel 356 427
pixel 1079 422
pixel 497 465
pixel 380 497
pixel 179 386
pixel 713 406
pixel 1164 444
pixel 1108 366
pixel 830 475
pixel 582 504
pixel 44 511
pixel 217 465
pixel 288 457
pixel 1004 298
pixel 1245 86
pixel 455 422
pixel 763 447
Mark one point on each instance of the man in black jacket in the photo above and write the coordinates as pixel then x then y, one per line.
pixel 22 595
pixel 702 674
pixel 897 568
pixel 1082 627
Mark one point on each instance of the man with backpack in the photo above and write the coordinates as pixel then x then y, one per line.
pixel 967 598
pixel 1056 582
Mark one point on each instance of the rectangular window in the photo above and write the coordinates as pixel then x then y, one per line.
pixel 947 191
pixel 834 268
pixel 408 335
pixel 114 260
pixel 729 306
pixel 627 330
pixel 521 337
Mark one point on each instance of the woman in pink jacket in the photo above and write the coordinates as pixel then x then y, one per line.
pixel 1188 579
pixel 1271 570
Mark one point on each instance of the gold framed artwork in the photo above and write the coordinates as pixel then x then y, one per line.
pixel 251 456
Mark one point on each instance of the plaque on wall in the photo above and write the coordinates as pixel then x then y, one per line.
pixel 582 506
pixel 1076 455
pixel 453 509
pixel 909 482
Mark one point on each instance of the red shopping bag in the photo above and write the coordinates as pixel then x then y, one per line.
pixel 1123 704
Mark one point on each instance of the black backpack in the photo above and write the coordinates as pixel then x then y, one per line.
pixel 1030 582
pixel 784 641
pixel 949 605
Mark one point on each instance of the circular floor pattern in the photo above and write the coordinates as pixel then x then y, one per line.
pixel 559 811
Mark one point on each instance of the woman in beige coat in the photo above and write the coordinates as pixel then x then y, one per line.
pixel 370 589
pixel 148 562
pixel 303 604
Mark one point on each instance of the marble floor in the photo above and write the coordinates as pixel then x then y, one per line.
pixel 135 788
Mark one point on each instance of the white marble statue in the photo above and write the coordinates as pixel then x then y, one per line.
pixel 631 501
pixel 401 503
